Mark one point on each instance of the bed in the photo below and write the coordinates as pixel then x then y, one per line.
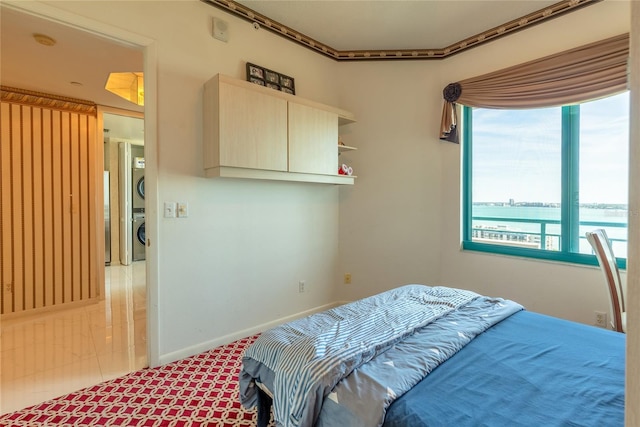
pixel 435 356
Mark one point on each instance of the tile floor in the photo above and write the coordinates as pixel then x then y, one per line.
pixel 51 354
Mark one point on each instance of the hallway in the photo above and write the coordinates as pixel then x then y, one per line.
pixel 47 355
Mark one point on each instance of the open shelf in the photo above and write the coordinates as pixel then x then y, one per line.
pixel 234 172
pixel 342 148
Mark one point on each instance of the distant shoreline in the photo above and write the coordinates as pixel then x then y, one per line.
pixel 610 206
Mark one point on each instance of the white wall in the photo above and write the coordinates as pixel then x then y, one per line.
pixel 401 222
pixel 390 219
pixel 236 261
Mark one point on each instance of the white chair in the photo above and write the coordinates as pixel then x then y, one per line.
pixel 604 252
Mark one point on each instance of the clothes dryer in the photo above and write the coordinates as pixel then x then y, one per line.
pixel 137 181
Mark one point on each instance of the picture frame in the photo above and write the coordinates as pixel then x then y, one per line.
pixel 272 77
pixel 287 82
pixel 254 71
pixel 257 81
pixel 269 78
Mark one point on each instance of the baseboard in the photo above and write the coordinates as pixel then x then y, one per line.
pixel 52 309
pixel 226 339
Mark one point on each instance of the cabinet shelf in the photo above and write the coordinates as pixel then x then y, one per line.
pixel 342 148
pixel 248 173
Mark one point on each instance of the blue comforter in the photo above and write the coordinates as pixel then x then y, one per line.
pixel 302 361
pixel 528 370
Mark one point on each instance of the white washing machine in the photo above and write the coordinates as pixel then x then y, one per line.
pixel 139 238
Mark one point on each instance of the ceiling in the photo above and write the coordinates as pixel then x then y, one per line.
pixel 350 30
pixel 77 56
pixel 390 25
pixel 78 64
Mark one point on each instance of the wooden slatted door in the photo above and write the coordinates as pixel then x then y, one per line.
pixel 50 240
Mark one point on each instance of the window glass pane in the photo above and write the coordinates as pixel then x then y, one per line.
pixel 516 177
pixel 604 158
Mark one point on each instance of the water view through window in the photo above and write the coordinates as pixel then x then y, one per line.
pixel 541 178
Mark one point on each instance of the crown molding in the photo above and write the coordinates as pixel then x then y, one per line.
pixel 45 100
pixel 296 36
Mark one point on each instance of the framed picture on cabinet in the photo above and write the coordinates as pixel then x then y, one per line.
pixel 287 83
pixel 255 72
pixel 272 77
pixel 257 81
pixel 269 78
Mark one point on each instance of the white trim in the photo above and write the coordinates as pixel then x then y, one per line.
pixel 124 174
pixel 151 196
pixel 119 111
pixel 208 345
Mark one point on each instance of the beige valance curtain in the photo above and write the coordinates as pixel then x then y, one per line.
pixel 577 75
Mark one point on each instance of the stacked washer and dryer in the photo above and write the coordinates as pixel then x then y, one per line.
pixel 137 190
pixel 132 214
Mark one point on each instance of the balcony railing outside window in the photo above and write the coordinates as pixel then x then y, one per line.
pixel 546 236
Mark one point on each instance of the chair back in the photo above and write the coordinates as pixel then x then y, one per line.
pixel 604 253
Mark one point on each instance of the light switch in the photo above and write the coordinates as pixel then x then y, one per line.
pixel 169 209
pixel 183 209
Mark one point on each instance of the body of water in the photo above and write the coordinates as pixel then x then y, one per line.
pixel 614 221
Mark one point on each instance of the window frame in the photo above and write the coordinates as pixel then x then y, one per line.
pixel 570 158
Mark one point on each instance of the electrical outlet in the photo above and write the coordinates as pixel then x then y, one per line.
pixel 183 209
pixel 601 319
pixel 301 286
pixel 347 278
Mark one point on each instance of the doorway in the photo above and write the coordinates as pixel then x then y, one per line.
pixel 14 366
pixel 124 162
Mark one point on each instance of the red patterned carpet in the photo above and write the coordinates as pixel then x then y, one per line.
pixel 201 390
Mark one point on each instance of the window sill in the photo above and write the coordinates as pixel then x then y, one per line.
pixel 537 254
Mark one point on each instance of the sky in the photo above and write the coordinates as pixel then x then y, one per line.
pixel 517 153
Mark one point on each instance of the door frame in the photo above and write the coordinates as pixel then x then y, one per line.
pixel 150 62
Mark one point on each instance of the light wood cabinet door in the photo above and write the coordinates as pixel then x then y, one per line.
pixel 252 129
pixel 313 140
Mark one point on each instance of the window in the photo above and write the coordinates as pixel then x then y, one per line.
pixel 536 180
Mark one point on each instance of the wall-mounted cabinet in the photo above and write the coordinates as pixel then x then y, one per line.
pixel 312 140
pixel 255 132
pixel 251 140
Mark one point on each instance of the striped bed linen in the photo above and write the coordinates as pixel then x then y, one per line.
pixel 310 356
pixel 363 397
